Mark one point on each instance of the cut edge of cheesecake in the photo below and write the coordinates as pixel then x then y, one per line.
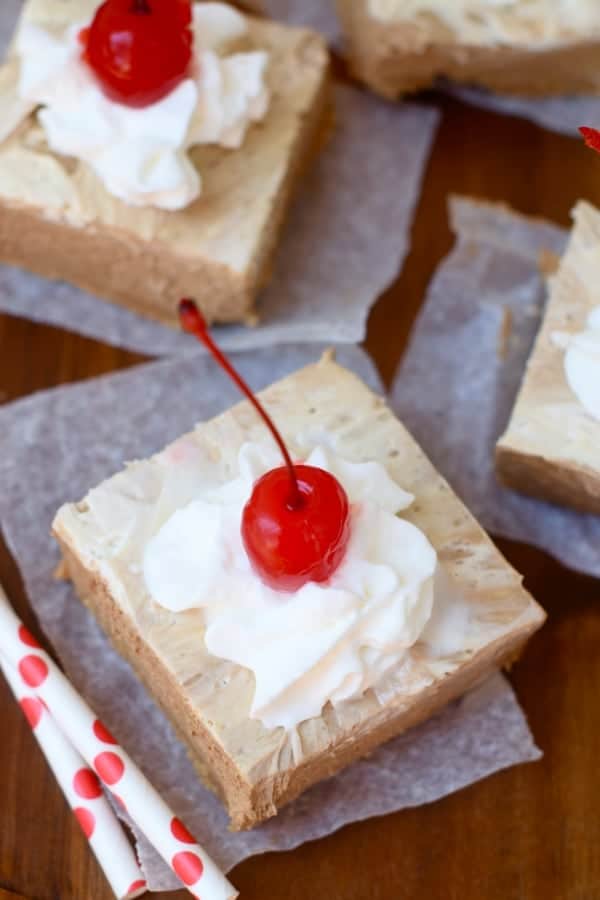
pixel 560 481
pixel 401 57
pixel 544 464
pixel 126 255
pixel 503 614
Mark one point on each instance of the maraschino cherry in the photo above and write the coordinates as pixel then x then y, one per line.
pixel 296 525
pixel 140 50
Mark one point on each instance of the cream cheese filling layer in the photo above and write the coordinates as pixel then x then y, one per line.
pixel 536 22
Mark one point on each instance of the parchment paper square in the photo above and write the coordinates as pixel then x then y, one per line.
pixel 457 384
pixel 57 444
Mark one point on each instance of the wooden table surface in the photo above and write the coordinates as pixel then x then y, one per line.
pixel 530 833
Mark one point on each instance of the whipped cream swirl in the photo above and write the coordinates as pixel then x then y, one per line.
pixel 141 155
pixel 326 642
pixel 582 364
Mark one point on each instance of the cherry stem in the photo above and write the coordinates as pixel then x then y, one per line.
pixel 591 137
pixel 141 7
pixel 194 323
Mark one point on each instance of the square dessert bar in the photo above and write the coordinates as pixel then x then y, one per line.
pixel 57 220
pixel 400 54
pixel 551 447
pixel 256 770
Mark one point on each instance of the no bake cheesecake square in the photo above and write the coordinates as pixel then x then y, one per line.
pixel 57 219
pixel 551 446
pixel 255 769
pixel 398 48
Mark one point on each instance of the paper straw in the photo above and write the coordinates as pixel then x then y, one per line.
pixel 83 793
pixel 169 837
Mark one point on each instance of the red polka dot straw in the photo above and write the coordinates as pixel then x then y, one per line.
pixel 180 832
pixel 27 638
pixel 86 819
pixel 33 670
pixel 86 784
pixel 110 767
pixel 187 866
pixel 32 710
pixel 82 790
pixel 97 747
pixel 102 733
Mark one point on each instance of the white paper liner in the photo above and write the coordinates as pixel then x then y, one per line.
pixel 456 388
pixel 59 443
pixel 345 240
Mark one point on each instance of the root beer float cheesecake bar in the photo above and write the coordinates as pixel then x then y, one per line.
pixel 551 446
pixel 531 47
pixel 151 148
pixel 291 618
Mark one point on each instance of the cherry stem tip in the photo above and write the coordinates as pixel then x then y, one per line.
pixel 591 137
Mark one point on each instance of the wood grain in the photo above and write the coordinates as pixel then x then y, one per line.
pixel 530 833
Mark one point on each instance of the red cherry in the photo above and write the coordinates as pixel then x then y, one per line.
pixel 289 546
pixel 140 50
pixel 296 525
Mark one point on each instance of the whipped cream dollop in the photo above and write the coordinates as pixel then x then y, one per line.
pixel 326 642
pixel 498 20
pixel 582 364
pixel 141 155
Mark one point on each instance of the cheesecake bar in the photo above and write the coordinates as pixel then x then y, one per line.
pixel 514 47
pixel 58 220
pixel 257 769
pixel 551 446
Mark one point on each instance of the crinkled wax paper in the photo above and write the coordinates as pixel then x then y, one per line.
pixel 345 240
pixel 457 384
pixel 53 447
